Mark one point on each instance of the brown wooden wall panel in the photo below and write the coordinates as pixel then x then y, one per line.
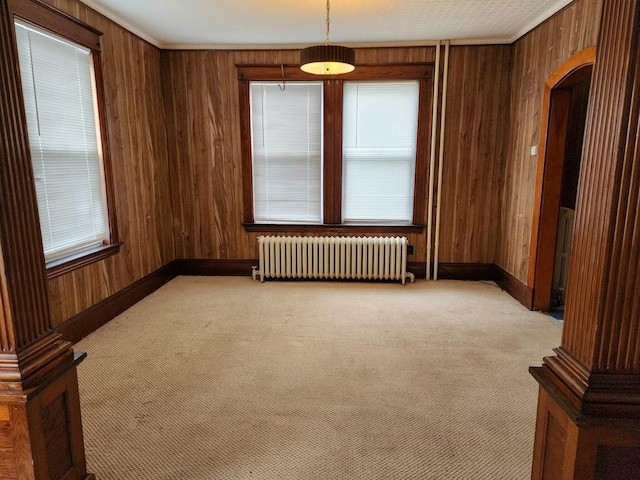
pixel 476 119
pixel 201 91
pixel 193 197
pixel 535 56
pixel 137 142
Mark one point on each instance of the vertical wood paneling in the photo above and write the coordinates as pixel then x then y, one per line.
pixel 477 109
pixel 204 210
pixel 602 309
pixel 137 142
pixel 535 57
pixel 206 170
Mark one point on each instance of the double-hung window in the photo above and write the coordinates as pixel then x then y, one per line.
pixel 380 126
pixel 286 132
pixel 65 138
pixel 335 152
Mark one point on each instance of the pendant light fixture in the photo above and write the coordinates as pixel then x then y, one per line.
pixel 327 59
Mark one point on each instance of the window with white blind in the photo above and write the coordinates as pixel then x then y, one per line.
pixel 286 134
pixel 64 137
pixel 380 122
pixel 341 153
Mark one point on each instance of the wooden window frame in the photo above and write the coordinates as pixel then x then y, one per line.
pixel 332 166
pixel 61 24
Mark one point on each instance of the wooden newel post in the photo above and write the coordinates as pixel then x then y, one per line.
pixel 588 424
pixel 40 424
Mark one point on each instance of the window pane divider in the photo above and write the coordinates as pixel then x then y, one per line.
pixel 332 197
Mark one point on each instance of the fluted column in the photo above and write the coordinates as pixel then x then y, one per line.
pixel 40 425
pixel 588 421
pixel 27 343
pixel 599 359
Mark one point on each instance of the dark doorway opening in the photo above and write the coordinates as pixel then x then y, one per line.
pixel 563 122
pixel 569 191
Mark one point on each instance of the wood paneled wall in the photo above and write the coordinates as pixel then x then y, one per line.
pixel 476 118
pixel 137 142
pixel 535 56
pixel 178 183
pixel 201 91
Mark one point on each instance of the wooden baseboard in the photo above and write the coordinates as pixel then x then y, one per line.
pixel 514 287
pixel 232 268
pixel 466 271
pixel 446 271
pixel 244 267
pixel 89 320
pixel 93 318
pixel 488 271
pixel 418 269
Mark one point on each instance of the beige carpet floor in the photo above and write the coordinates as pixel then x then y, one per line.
pixel 227 378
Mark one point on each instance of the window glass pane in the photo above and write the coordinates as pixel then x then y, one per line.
pixel 286 136
pixel 57 82
pixel 380 123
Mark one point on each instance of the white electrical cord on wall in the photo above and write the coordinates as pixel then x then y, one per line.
pixel 432 157
pixel 441 156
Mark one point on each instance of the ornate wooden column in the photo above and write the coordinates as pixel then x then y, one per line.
pixel 40 425
pixel 588 424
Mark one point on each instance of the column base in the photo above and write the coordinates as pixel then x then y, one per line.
pixel 41 429
pixel 572 445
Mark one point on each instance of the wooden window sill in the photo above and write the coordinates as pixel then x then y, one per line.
pixel 79 260
pixel 333 228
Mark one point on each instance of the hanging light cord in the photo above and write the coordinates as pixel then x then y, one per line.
pixel 328 24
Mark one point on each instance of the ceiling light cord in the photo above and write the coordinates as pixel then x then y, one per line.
pixel 328 24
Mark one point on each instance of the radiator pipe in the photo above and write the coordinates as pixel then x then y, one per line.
pixel 432 159
pixel 441 156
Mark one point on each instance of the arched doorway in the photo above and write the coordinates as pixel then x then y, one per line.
pixel 558 141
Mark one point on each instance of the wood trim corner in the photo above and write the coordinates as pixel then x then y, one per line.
pixel 422 149
pixel 245 149
pixel 514 287
pixel 50 18
pixel 82 324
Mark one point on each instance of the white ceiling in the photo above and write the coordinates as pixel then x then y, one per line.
pixel 237 24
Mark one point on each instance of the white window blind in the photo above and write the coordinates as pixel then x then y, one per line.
pixel 380 123
pixel 57 82
pixel 286 135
